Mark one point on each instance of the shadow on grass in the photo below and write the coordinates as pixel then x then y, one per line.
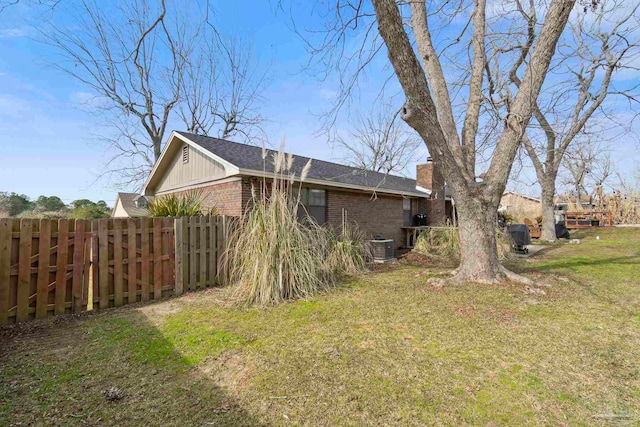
pixel 114 368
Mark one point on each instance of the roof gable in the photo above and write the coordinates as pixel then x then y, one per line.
pixel 168 173
pixel 127 201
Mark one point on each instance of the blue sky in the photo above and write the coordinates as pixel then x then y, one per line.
pixel 47 144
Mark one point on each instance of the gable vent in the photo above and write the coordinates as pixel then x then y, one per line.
pixel 185 154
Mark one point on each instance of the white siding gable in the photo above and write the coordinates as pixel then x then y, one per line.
pixel 179 174
pixel 118 211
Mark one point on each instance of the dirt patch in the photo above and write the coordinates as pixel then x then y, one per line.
pixel 156 313
pixel 231 371
pixel 224 296
pixel 466 311
pixel 420 260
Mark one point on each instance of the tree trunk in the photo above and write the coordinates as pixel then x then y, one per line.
pixel 157 147
pixel 548 217
pixel 478 251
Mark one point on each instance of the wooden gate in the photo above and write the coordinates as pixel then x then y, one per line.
pixel 132 260
pixel 42 265
pixel 199 248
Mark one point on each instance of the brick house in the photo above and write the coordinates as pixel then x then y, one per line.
pixel 227 171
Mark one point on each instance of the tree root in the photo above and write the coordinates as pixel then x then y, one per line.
pixel 458 278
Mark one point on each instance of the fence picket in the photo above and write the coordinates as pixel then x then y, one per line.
pixel 180 261
pixel 145 258
pixel 5 269
pixel 193 233
pixel 223 235
pixel 103 261
pixel 157 258
pixel 132 266
pixel 78 265
pixel 213 261
pixel 61 268
pixel 44 246
pixel 95 267
pixel 118 279
pixel 202 247
pixel 24 271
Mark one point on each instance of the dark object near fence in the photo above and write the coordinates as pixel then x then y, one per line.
pixel 419 220
pixel 520 237
pixel 561 231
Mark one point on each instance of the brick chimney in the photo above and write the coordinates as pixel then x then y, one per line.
pixel 430 177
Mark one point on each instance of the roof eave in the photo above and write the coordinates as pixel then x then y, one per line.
pixel 264 174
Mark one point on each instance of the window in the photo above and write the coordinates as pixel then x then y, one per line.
pixel 141 202
pixel 185 154
pixel 314 203
pixel 406 211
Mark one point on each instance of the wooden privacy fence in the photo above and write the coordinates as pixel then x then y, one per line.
pixel 52 267
pixel 131 260
pixel 42 264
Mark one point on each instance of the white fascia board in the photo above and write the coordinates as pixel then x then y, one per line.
pixel 423 190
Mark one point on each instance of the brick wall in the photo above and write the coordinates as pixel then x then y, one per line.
pixel 227 197
pixel 382 216
pixel 430 176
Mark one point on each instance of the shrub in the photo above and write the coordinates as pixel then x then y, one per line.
pixel 172 205
pixel 61 214
pixel 349 251
pixel 272 256
pixel 445 241
pixel 442 241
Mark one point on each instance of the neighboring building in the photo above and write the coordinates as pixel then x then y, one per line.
pixel 520 205
pixel 226 172
pixel 565 202
pixel 130 205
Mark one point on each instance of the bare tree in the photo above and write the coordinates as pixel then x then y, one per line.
pixel 134 62
pixel 50 4
pixel 588 164
pixel 598 46
pixel 223 90
pixel 379 142
pixel 445 106
pixel 149 63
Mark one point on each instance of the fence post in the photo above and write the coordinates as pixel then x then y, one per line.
pixel 5 268
pixel 223 262
pixel 24 270
pixel 179 255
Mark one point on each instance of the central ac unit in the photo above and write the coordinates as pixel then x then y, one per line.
pixel 382 250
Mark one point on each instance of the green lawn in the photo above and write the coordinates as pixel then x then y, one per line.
pixel 386 349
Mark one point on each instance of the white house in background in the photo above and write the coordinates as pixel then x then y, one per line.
pixel 130 205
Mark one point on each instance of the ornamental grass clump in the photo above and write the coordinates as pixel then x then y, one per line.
pixel 172 205
pixel 349 251
pixel 440 241
pixel 273 256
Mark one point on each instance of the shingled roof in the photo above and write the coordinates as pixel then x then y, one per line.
pixel 128 202
pixel 249 158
